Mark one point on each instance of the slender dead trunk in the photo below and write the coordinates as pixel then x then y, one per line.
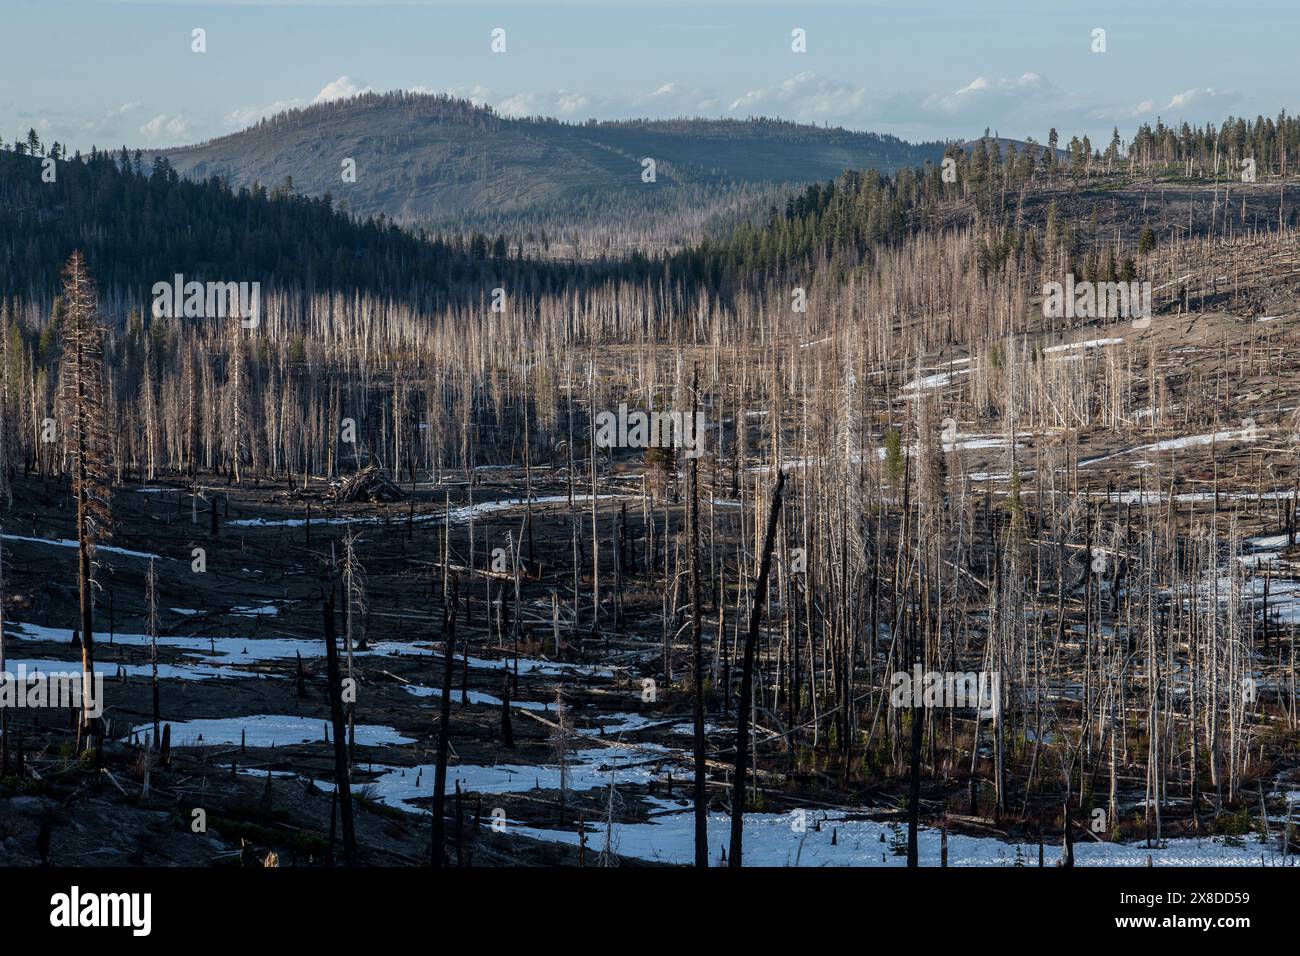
pixel 341 774
pixel 697 649
pixel 152 599
pixel 747 675
pixel 4 711
pixel 444 725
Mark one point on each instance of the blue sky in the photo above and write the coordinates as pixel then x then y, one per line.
pixel 111 72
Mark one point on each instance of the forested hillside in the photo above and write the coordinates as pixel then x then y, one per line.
pixel 139 221
pixel 447 164
pixel 142 223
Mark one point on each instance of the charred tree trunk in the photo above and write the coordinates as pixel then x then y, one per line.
pixel 747 675
pixel 341 775
pixel 697 649
pixel 444 725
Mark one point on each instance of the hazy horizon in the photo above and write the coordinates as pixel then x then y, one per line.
pixel 1007 65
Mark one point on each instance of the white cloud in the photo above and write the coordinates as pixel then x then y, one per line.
pixel 561 104
pixel 1192 106
pixel 165 127
pixel 476 94
pixel 341 89
pixel 991 96
pixel 1200 99
pixel 247 116
pixel 573 103
pixel 804 96
pixel 521 104
pixel 668 100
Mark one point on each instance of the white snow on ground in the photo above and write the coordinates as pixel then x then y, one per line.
pixel 488 507
pixel 616 725
pixel 937 380
pixel 266 610
pixel 962 442
pixel 613 725
pixel 530 665
pixel 1165 285
pixel 1283 598
pixel 110 669
pixel 266 730
pixel 790 464
pixel 475 697
pixel 216 650
pixel 1090 344
pixel 585 770
pixel 1187 441
pixel 1188 497
pixel 931 381
pixel 688 728
pixel 456 515
pixel 72 543
pixel 974 442
pixel 1171 444
pixel 398 649
pixel 258 650
pixel 771 840
pixel 1265 549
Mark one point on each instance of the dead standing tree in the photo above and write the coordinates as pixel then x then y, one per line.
pixel 697 651
pixel 342 775
pixel 438 849
pixel 745 703
pixel 354 595
pixel 86 443
pixel 4 711
pixel 152 627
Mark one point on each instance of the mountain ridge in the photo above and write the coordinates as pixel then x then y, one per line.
pixel 443 162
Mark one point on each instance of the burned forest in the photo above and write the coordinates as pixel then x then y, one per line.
pixel 648 493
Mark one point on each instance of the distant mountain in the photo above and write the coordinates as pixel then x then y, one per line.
pixel 445 163
pixel 1002 142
